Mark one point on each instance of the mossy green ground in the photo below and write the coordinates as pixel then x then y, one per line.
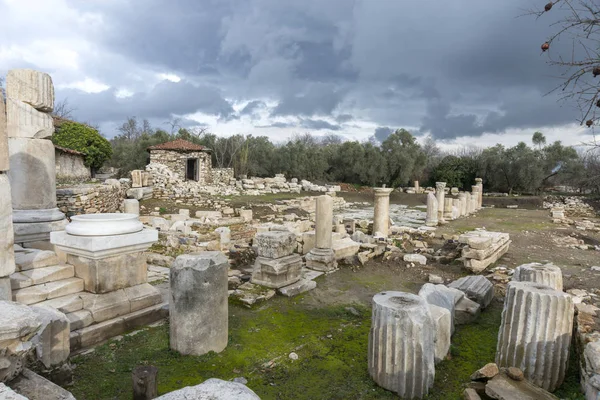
pixel 331 343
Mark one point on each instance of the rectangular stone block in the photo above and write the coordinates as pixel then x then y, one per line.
pixel 303 285
pixel 5 290
pixel 80 319
pixel 111 273
pixel 277 273
pixel 275 244
pixel 142 296
pixel 7 256
pixel 308 241
pixel 46 291
pixel 107 306
pixel 345 248
pixel 24 121
pixel 51 341
pixel 32 174
pixel 4 165
pixel 32 87
pixel 136 179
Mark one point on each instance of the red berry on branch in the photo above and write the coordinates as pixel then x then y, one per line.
pixel 548 6
pixel 598 103
pixel 545 46
pixel 596 71
pixel 589 122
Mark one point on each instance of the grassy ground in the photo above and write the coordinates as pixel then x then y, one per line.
pixel 328 329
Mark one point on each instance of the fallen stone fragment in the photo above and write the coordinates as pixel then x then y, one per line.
pixel 212 389
pixel 466 311
pixel 515 373
pixel 415 258
pixel 503 388
pixel 303 285
pixel 476 287
pixel 470 394
pixel 486 372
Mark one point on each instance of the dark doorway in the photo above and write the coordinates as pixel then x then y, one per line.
pixel 192 169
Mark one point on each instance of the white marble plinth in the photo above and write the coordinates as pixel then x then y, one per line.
pixel 45 215
pixel 97 247
pixel 104 224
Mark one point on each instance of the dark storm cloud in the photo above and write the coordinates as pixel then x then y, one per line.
pixel 449 69
pixel 382 132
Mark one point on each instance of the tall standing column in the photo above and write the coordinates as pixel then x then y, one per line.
pixel 432 210
pixel 417 187
pixel 7 255
pixel 30 99
pixel 322 257
pixel 462 197
pixel 381 217
pixel 479 183
pixel 440 196
pixel 475 191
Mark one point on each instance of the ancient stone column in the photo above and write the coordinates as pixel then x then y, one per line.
pixel 381 216
pixel 401 344
pixel 198 308
pixel 475 191
pixel 545 274
pixel 474 200
pixel 322 257
pixel 432 211
pixel 7 255
pixel 440 195
pixel 462 197
pixel 30 99
pixel 448 209
pixel 535 333
pixel 456 208
pixel 479 183
pixel 131 206
pixel 417 187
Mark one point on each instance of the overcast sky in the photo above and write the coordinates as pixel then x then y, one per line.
pixel 463 71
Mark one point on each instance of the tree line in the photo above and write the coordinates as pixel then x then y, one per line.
pixel 396 161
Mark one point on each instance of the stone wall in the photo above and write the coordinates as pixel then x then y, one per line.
pixel 70 167
pixel 176 161
pixel 92 198
pixel 222 176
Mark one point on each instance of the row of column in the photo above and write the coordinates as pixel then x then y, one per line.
pixel 441 209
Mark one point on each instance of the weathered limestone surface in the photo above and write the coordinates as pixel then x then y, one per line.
pixel 545 274
pixel 448 208
pixel 32 87
pixel 440 195
pixel 7 256
pixel 303 285
pixel 321 260
pixel 275 244
pixel 3 137
pixel 52 342
pixel 32 174
pixel 5 289
pixel 479 183
pixel 212 389
pixel 535 333
pixel 466 311
pixel 344 248
pixel 131 206
pixel 25 121
pixel 278 272
pixel 503 388
pixel 442 321
pixel 462 197
pixel 198 303
pixel 442 296
pixel 323 221
pixel 381 217
pixel 483 248
pixel 401 344
pixel 432 210
pixel 136 179
pixel 476 287
pixel 36 387
pixel 110 273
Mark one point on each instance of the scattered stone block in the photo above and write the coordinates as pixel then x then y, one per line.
pixel 442 296
pixel 344 248
pixel 402 329
pixel 275 244
pixel 476 288
pixel 51 341
pixel 7 393
pixel 302 286
pixel 198 318
pixel 470 394
pixel 415 258
pixel 131 206
pixel 503 388
pixel 466 311
pixel 486 372
pixel 278 272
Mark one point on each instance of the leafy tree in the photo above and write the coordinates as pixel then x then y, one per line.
pixel 405 158
pixel 85 139
pixel 538 139
pixel 455 171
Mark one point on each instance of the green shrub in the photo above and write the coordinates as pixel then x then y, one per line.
pixel 83 138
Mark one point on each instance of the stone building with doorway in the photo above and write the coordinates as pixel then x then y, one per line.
pixel 190 161
pixel 70 165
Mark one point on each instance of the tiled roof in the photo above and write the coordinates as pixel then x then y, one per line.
pixel 69 151
pixel 179 145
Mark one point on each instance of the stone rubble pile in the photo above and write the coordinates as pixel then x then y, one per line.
pixel 483 248
pixel 491 382
pixel 563 207
pixel 169 185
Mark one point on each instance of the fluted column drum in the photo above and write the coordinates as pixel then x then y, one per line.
pixel 546 274
pixel 535 333
pixel 401 344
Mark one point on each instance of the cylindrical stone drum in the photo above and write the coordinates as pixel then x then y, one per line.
pixel 401 344
pixel 546 274
pixel 535 333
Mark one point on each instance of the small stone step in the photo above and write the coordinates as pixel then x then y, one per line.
pixel 97 333
pixel 69 303
pixel 27 259
pixel 20 280
pixel 80 319
pixel 46 291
